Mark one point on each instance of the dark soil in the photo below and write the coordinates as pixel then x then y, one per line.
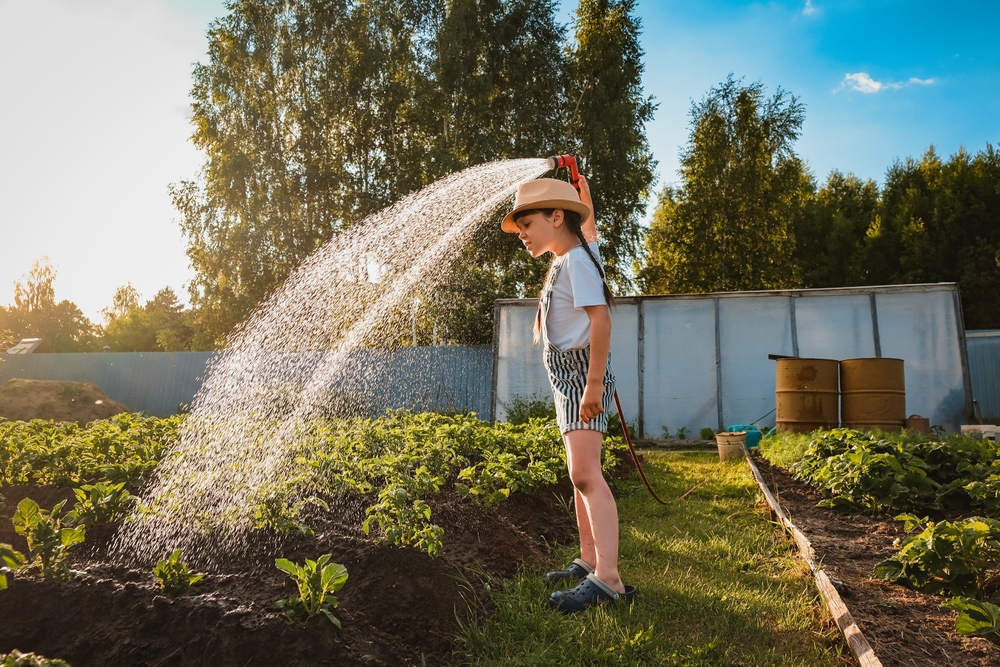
pixel 59 401
pixel 903 626
pixel 399 606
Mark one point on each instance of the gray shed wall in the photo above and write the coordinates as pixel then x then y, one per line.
pixel 702 360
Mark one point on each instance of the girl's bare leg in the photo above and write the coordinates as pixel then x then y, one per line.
pixel 598 520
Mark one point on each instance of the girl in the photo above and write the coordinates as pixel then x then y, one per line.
pixel 574 324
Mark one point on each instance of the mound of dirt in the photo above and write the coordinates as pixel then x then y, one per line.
pixel 399 607
pixel 79 402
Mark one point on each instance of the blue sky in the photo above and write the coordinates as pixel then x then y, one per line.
pixel 89 139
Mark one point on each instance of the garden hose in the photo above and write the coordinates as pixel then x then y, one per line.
pixel 631 449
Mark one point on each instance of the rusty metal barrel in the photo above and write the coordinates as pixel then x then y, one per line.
pixel 807 394
pixel 873 393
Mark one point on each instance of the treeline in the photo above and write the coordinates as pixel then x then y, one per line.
pixel 160 325
pixel 748 215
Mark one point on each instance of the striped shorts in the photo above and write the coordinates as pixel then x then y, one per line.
pixel 568 378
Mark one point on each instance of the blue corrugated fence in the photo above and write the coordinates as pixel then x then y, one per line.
pixel 984 366
pixel 447 378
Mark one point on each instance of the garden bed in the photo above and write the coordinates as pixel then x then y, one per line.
pixel 904 627
pixel 399 607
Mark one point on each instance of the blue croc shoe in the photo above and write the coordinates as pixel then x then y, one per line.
pixel 590 592
pixel 576 571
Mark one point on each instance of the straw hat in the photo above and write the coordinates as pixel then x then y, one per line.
pixel 544 193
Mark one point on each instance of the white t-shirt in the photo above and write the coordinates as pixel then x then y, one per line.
pixel 577 284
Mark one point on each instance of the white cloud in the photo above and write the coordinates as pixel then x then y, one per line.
pixel 862 82
pixel 809 9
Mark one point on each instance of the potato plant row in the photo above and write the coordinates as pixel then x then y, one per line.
pixel 121 450
pixel 874 473
pixel 396 461
pixel 404 457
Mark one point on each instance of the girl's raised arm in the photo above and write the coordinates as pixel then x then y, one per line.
pixel 589 226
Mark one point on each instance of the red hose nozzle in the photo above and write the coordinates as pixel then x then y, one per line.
pixel 567 162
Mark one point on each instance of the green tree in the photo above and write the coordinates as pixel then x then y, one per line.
pixel 728 226
pixel 606 115
pixel 940 221
pixel 35 313
pixel 160 325
pixel 830 231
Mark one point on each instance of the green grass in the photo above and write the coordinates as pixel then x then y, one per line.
pixel 718 585
pixel 784 449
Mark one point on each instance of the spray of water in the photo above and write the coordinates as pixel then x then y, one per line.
pixel 318 345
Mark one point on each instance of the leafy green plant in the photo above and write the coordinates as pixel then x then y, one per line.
pixel 960 558
pixel 11 560
pixel 17 659
pixel 101 502
pixel 48 541
pixel 522 409
pixel 276 511
pixel 317 580
pixel 123 449
pixel 682 433
pixel 974 617
pixel 173 576
pixel 707 433
pixel 875 472
pixel 403 458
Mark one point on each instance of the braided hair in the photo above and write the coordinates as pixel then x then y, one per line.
pixel 574 221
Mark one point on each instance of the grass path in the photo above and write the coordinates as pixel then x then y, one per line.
pixel 718 585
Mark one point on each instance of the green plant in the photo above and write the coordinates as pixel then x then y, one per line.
pixel 707 433
pixel 173 576
pixel 48 541
pixel 974 617
pixel 666 433
pixel 17 659
pixel 960 558
pixel 101 502
pixel 874 472
pixel 276 511
pixel 682 433
pixel 10 561
pixel 403 458
pixel 123 449
pixel 615 429
pixel 862 472
pixel 521 409
pixel 316 580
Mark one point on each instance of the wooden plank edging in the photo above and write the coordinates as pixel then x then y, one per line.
pixel 855 639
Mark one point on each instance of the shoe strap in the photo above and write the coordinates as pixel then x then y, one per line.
pixel 612 593
pixel 582 563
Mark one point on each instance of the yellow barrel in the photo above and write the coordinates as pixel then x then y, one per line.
pixel 873 393
pixel 806 394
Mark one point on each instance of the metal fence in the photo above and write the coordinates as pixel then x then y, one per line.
pixel 447 378
pixel 984 364
pixel 694 361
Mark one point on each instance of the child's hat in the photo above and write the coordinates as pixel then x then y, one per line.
pixel 544 193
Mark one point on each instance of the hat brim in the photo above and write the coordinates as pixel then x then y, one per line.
pixel 508 224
